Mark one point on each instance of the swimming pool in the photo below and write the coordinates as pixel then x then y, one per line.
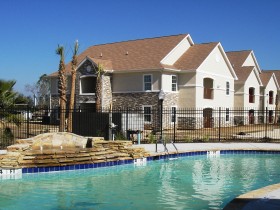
pixel 194 182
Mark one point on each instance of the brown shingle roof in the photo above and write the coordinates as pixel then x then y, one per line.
pixel 132 55
pixel 265 77
pixel 194 56
pixel 276 73
pixel 237 58
pixel 243 72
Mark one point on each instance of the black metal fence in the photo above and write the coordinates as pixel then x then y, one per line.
pixel 147 125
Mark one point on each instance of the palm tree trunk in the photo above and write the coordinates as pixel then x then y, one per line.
pixel 98 93
pixel 73 86
pixel 62 88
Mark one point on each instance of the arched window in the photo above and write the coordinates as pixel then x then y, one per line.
pixel 270 97
pixel 208 85
pixel 251 95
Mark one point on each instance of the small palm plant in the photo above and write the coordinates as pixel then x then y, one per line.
pixel 62 87
pixel 7 98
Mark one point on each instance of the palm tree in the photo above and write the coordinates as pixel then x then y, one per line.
pixel 99 74
pixel 61 87
pixel 74 63
pixel 7 98
pixel 7 95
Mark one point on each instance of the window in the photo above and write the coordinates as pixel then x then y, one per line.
pixel 251 95
pixel 147 114
pixel 147 82
pixel 208 85
pixel 227 114
pixel 173 114
pixel 270 95
pixel 227 88
pixel 174 83
pixel 88 85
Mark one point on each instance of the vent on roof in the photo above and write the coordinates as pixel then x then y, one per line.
pixel 126 53
pixel 100 54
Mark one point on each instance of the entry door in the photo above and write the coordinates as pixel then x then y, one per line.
pixel 207 118
pixel 251 116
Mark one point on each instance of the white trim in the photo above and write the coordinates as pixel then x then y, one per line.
pixel 80 84
pixel 255 60
pixel 140 91
pixel 213 74
pixel 151 107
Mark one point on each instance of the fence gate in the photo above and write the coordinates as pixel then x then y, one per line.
pixel 94 123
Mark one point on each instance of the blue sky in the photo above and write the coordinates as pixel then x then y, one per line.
pixel 32 29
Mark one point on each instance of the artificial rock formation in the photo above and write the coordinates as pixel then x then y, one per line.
pixel 61 149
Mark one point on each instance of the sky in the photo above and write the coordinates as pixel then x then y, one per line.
pixel 30 30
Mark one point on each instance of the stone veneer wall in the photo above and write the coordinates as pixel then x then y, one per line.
pixel 107 92
pixel 135 100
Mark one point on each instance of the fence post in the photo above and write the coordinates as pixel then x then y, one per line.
pixel 266 123
pixel 126 124
pixel 28 121
pixel 219 123
pixel 174 126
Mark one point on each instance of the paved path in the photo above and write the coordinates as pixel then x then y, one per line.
pixel 183 147
pixel 261 199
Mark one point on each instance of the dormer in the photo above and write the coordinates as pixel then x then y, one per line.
pixel 177 51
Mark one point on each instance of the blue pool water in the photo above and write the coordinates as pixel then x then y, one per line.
pixel 196 182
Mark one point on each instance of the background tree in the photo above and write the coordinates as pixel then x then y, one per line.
pixel 62 87
pixel 99 76
pixel 74 63
pixel 40 91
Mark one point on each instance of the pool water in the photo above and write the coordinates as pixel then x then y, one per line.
pixel 196 182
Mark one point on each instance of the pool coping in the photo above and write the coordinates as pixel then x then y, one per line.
pixel 262 198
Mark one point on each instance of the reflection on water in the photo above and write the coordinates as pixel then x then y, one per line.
pixel 187 183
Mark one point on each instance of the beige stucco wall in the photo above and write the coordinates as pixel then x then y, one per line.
pixel 216 68
pixel 252 82
pixel 249 61
pixel 133 82
pixel 271 86
pixel 186 97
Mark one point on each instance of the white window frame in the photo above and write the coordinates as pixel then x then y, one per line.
pixel 227 88
pixel 145 82
pixel 147 106
pixel 176 84
pixel 85 76
pixel 171 115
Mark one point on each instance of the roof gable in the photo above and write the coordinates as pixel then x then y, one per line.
pixel 267 76
pixel 198 54
pixel 243 58
pixel 177 51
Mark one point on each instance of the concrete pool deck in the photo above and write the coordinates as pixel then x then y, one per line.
pixel 260 199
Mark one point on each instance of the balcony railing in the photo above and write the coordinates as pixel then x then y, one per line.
pixel 208 93
pixel 251 98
